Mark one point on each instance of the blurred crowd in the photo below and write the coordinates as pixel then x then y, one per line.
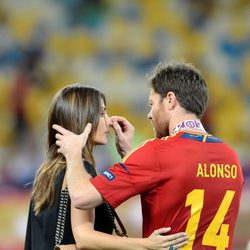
pixel 112 45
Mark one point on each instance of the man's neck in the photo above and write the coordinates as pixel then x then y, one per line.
pixel 180 119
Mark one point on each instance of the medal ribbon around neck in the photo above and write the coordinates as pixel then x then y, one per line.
pixel 188 124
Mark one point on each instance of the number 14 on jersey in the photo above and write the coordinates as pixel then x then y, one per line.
pixel 211 238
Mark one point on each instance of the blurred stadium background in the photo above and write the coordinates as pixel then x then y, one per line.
pixel 46 44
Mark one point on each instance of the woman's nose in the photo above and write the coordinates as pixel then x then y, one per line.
pixel 149 115
pixel 108 121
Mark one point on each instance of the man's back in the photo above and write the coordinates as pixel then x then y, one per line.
pixel 199 187
pixel 190 182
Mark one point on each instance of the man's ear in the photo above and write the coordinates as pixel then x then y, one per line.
pixel 171 100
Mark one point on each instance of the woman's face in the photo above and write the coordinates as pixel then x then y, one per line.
pixel 102 132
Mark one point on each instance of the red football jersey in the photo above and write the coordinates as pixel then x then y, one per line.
pixel 190 182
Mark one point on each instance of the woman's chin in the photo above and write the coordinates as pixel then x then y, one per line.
pixel 104 142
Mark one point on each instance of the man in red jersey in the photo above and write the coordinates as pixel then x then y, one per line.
pixel 188 179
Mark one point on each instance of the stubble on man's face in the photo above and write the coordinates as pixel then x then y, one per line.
pixel 158 115
pixel 160 122
pixel 161 132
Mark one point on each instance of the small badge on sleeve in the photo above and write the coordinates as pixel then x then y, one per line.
pixel 108 175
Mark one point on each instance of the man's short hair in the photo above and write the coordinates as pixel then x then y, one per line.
pixel 185 81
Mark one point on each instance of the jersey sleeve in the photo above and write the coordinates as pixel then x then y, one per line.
pixel 135 174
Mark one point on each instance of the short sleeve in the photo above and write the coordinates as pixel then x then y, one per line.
pixel 135 174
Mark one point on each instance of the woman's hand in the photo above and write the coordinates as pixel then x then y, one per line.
pixel 70 143
pixel 164 242
pixel 124 132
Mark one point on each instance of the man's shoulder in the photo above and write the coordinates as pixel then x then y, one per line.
pixel 148 145
pixel 153 142
pixel 146 148
pixel 145 144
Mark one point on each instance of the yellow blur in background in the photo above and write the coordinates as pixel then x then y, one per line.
pixel 112 45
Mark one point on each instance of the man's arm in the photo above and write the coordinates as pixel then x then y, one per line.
pixel 82 193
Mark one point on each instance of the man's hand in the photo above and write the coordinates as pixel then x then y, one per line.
pixel 70 143
pixel 82 193
pixel 124 132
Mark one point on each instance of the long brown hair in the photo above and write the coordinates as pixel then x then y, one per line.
pixel 72 108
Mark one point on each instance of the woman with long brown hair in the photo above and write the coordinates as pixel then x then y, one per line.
pixel 73 107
